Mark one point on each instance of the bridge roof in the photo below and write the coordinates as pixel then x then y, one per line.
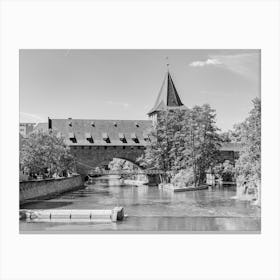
pixel 92 132
pixel 114 129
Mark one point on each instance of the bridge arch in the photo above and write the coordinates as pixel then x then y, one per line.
pixel 89 159
pixel 134 162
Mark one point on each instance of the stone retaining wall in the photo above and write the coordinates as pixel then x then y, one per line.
pixel 35 189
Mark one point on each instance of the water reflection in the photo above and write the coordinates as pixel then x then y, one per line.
pixel 151 209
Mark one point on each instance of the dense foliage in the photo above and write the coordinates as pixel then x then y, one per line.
pixel 248 166
pixel 121 164
pixel 225 171
pixel 45 154
pixel 184 139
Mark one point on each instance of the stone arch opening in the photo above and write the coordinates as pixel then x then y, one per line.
pixel 133 169
pixel 88 160
pixel 120 163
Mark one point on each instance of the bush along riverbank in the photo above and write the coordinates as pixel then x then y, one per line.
pixel 249 190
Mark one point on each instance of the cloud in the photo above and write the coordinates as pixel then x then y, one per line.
pixel 27 117
pixel 123 104
pixel 201 63
pixel 244 64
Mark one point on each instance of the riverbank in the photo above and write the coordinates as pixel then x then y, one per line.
pixel 152 209
pixel 33 190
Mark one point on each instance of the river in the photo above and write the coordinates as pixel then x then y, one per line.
pixel 150 209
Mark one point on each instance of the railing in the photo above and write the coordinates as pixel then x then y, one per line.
pixel 125 172
pixel 120 172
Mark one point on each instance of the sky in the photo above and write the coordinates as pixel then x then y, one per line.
pixel 124 84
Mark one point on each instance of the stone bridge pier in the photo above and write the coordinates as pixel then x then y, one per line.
pixel 154 179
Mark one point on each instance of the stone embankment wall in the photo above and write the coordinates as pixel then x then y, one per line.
pixel 47 188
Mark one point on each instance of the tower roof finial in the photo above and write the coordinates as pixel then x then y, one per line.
pixel 167 63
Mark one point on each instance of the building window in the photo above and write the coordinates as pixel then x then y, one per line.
pixel 123 147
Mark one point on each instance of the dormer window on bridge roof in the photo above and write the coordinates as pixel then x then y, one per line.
pixel 89 137
pixel 72 137
pixel 105 137
pixel 134 137
pixel 122 137
pixel 146 136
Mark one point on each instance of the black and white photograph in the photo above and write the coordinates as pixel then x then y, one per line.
pixel 139 141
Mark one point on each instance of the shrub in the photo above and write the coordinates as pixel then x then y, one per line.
pixel 185 177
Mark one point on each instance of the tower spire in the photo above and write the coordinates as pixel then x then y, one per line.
pixel 168 97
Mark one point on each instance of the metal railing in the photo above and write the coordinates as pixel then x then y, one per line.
pixel 126 172
pixel 93 172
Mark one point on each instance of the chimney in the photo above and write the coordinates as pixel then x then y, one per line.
pixel 49 123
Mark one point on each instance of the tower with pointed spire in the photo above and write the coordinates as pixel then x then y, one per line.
pixel 167 99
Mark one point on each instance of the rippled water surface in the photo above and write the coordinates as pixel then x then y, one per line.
pixel 150 209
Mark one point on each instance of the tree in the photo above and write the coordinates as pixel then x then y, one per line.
pixel 183 139
pixel 225 170
pixel 202 146
pixel 118 164
pixel 248 166
pixel 46 154
pixel 163 150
